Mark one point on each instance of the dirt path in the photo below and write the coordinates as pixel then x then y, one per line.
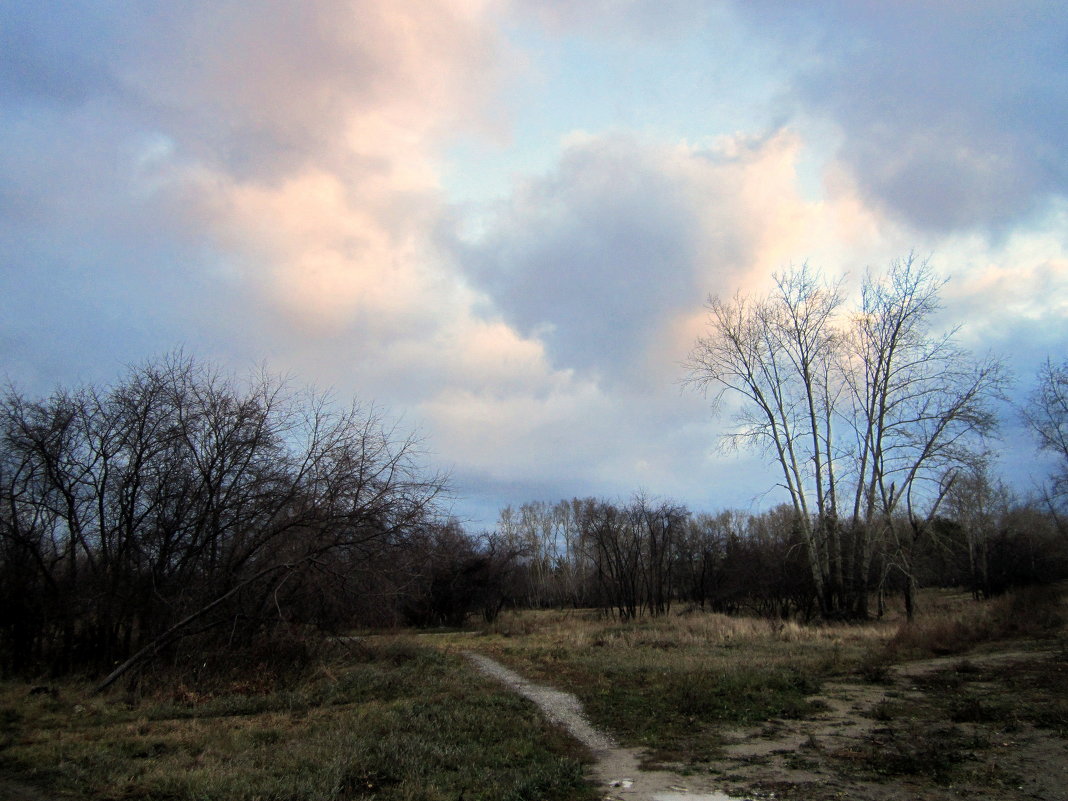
pixel 803 759
pixel 615 768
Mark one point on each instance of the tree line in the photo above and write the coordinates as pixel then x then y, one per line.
pixel 182 504
pixel 645 557
pixel 881 429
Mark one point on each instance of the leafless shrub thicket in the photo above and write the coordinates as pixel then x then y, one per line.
pixel 182 501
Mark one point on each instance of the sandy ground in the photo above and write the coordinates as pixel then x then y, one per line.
pixel 801 759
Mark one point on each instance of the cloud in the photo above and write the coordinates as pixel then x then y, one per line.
pixel 600 256
pixel 54 59
pixel 313 129
pixel 264 182
pixel 261 184
pixel 606 259
pixel 1017 284
pixel 951 114
pixel 638 19
pixel 252 90
pixel 238 173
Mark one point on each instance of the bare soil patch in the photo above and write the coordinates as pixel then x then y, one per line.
pixel 988 726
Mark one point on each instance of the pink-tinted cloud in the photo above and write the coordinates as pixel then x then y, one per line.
pixel 258 89
pixel 328 226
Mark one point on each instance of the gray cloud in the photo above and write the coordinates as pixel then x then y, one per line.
pixel 254 90
pixel 952 114
pixel 592 256
pixel 53 57
pixel 596 257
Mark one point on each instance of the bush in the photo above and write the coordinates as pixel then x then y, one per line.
pixel 1028 612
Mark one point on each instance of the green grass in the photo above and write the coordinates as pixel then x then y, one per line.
pixel 403 722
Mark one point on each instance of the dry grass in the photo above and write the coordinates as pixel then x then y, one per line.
pixel 581 629
pixel 406 718
pixel 402 721
pixel 1037 612
pixel 672 684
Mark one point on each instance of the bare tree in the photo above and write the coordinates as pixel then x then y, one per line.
pixel 633 551
pixel 775 354
pixel 661 525
pixel 925 407
pixel 617 548
pixel 977 503
pixel 574 567
pixel 870 409
pixel 180 499
pixel 1046 414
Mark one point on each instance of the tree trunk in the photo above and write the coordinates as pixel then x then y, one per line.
pixel 910 597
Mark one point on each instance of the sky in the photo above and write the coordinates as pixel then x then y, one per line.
pixel 499 220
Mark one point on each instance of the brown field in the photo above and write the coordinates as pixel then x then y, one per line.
pixel 971 701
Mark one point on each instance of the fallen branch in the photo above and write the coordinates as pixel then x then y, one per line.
pixel 175 631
